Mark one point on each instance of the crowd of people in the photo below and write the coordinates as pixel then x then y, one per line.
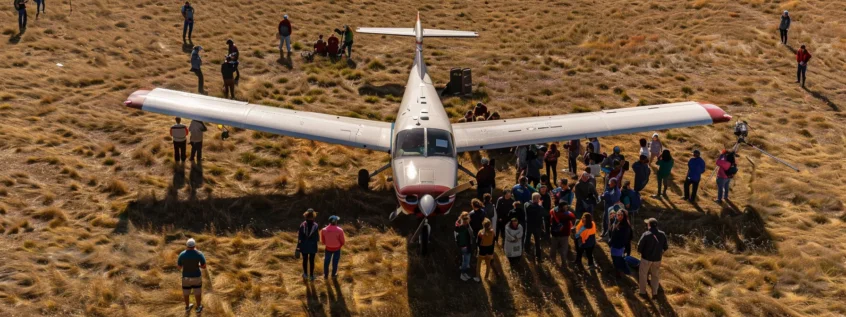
pixel 479 113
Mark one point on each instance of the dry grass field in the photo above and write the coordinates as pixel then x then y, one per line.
pixel 93 211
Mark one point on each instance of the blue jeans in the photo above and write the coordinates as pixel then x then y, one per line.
pixel 800 73
pixel 334 257
pixel 39 6
pixel 189 27
pixel 465 260
pixel 22 19
pixel 723 188
pixel 285 40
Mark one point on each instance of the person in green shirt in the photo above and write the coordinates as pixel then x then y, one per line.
pixel 348 41
pixel 665 166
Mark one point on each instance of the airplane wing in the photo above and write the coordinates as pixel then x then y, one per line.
pixel 410 32
pixel 473 136
pixel 353 132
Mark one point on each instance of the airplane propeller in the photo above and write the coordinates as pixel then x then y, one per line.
pixel 428 204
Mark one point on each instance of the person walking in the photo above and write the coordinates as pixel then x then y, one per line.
pixel 333 238
pixel 486 239
pixel 802 57
pixel 551 159
pixel 485 178
pixel 191 261
pixel 40 5
pixel 285 31
pixel 695 168
pixel 464 239
pixel 503 205
pixel 784 26
pixel 561 222
pixel 726 169
pixel 188 23
pixel 179 133
pixel 642 171
pixel 585 240
pixel 227 69
pixel 586 196
pixel 513 244
pixel 307 239
pixel 665 167
pixel 621 236
pixel 655 148
pixel 196 68
pixel 651 246
pixel 348 41
pixel 535 224
pixel 574 151
pixel 196 128
pixel 20 6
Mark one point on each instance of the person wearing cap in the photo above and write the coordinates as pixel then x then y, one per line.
pixel 651 246
pixel 485 178
pixel 227 69
pixel 655 147
pixel 188 23
pixel 802 57
pixel 179 133
pixel 285 31
pixel 630 198
pixel 784 26
pixel 513 244
pixel 333 238
pixel 561 221
pixel 464 239
pixel 196 67
pixel 503 206
pixel 665 168
pixel 585 239
pixel 608 164
pixel 190 262
pixel 307 239
pixel 535 224
pixel 586 196
pixel 642 171
pixel 348 41
pixel 695 168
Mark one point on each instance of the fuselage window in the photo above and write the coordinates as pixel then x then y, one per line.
pixel 411 142
pixel 439 143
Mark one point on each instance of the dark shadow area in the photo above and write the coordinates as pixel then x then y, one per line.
pixel 16 38
pixel 628 285
pixel 823 98
pixel 395 90
pixel 188 46
pixel 594 287
pixel 792 50
pixel 498 287
pixel 352 64
pixel 313 306
pixel 285 60
pixel 549 286
pixel 195 179
pixel 178 177
pixel 337 303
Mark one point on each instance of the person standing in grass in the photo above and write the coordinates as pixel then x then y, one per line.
pixel 285 31
pixel 348 41
pixel 464 239
pixel 802 57
pixel 695 168
pixel 477 216
pixel 233 54
pixel 307 238
pixel 485 178
pixel 586 196
pixel 39 8
pixel 20 6
pixel 610 197
pixel 784 26
pixel 179 133
pixel 665 167
pixel 651 246
pixel 535 214
pixel 585 239
pixel 561 221
pixel 503 206
pixel 655 148
pixel 486 239
pixel 188 23
pixel 190 262
pixel 196 68
pixel 644 149
pixel 621 237
pixel 551 159
pixel 726 169
pixel 642 171
pixel 563 193
pixel 574 151
pixel 227 70
pixel 197 128
pixel 333 238
pixel 513 241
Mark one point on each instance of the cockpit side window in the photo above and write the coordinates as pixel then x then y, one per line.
pixel 439 143
pixel 411 142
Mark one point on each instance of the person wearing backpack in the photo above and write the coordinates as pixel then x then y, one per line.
pixel 188 24
pixel 20 6
pixel 307 238
pixel 585 240
pixel 285 31
pixel 695 168
pixel 726 169
pixel 652 245
pixel 561 222
pixel 783 26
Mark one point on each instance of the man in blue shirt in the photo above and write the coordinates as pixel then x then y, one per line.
pixel 695 168
pixel 190 262
pixel 523 192
pixel 188 24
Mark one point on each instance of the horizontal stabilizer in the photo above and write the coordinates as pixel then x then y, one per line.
pixel 410 32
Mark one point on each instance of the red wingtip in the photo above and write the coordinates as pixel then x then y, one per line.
pixel 136 99
pixel 717 114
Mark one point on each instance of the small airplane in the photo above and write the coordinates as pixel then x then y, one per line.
pixel 423 144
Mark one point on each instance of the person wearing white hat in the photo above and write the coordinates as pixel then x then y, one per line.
pixel 190 262
pixel 285 31
pixel 784 26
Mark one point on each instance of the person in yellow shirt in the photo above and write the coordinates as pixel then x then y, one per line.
pixel 486 238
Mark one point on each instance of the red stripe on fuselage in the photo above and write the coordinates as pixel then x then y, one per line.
pixel 420 191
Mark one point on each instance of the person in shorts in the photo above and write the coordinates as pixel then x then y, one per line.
pixel 190 262
pixel 486 239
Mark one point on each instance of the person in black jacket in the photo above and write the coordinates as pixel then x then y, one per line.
pixel 228 72
pixel 621 236
pixel 586 196
pixel 477 216
pixel 534 224
pixel 503 206
pixel 546 203
pixel 652 245
pixel 486 178
pixel 307 237
pixel 784 26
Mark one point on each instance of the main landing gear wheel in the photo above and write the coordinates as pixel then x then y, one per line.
pixel 363 179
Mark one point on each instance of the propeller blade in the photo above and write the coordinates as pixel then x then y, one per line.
pixel 456 190
pixel 417 232
pixel 394 214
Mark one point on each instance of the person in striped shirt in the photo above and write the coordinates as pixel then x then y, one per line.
pixel 179 133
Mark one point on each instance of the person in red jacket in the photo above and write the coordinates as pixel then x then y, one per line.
pixel 332 45
pixel 802 57
pixel 333 238
pixel 561 221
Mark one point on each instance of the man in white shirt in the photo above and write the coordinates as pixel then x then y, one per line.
pixel 196 129
pixel 179 132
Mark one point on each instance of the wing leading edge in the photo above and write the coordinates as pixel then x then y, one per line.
pixel 353 132
pixel 473 136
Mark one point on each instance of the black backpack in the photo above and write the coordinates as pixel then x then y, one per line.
pixel 731 171
pixel 16 3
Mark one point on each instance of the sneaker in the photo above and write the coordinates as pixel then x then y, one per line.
pixel 477 279
pixel 188 308
pixel 199 309
pixel 464 277
pixel 718 201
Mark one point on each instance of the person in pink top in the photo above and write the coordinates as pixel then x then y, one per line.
pixel 333 238
pixel 726 169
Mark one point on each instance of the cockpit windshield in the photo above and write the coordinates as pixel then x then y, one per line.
pixel 423 142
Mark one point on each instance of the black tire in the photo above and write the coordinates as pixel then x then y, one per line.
pixel 363 179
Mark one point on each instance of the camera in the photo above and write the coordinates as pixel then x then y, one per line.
pixel 741 129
